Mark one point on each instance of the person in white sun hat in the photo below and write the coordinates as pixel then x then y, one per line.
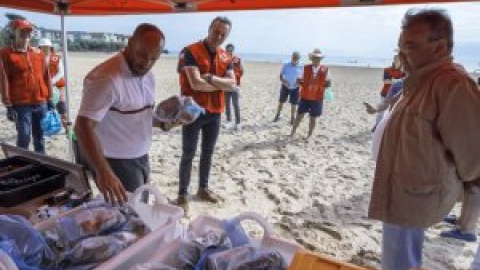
pixel 54 64
pixel 313 82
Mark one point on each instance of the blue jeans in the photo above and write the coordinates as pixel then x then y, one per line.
pixel 209 124
pixel 29 123
pixel 402 247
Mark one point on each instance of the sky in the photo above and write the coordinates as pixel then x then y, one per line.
pixel 358 31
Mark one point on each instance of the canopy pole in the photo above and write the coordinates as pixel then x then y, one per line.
pixel 67 95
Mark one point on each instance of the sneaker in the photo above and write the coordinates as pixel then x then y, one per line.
pixel 457 234
pixel 238 127
pixel 182 202
pixel 277 118
pixel 450 219
pixel 205 194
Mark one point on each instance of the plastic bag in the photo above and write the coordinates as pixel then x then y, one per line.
pixel 328 96
pixel 55 95
pixel 6 263
pixel 178 108
pixel 51 123
pixel 246 258
pixel 23 244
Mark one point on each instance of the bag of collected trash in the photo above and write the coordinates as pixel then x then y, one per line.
pixel 178 108
pixel 246 258
pixel 23 244
pixel 51 123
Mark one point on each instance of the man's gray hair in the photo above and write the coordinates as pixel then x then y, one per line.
pixel 438 20
pixel 221 19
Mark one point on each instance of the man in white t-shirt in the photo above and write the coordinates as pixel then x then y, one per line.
pixel 114 124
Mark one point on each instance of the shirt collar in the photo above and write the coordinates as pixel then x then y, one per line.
pixel 413 79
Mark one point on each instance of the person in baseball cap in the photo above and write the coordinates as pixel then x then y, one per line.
pixel 25 85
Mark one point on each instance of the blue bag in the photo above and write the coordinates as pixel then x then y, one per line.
pixel 51 123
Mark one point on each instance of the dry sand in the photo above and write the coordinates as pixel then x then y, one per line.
pixel 316 193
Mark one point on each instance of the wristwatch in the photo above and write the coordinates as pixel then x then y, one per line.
pixel 208 78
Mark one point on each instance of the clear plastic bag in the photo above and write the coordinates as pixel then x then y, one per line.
pixel 181 109
pixel 328 96
pixel 246 258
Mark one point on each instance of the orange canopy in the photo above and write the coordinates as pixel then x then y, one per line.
pixel 102 7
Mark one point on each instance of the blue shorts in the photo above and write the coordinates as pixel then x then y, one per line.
pixel 293 93
pixel 313 107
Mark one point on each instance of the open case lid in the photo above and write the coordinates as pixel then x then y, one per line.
pixel 77 177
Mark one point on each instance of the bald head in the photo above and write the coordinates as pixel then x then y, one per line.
pixel 144 48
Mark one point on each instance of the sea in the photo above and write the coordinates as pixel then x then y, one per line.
pixel 469 63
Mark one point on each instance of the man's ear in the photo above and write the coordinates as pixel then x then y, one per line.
pixel 442 47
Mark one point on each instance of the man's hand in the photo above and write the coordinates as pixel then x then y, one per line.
pixel 111 187
pixel 285 84
pixel 11 114
pixel 61 107
pixel 370 109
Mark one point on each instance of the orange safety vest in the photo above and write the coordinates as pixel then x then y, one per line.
pixel 237 64
pixel 213 102
pixel 25 74
pixel 313 88
pixel 390 73
pixel 54 66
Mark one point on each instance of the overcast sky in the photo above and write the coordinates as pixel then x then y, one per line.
pixel 359 31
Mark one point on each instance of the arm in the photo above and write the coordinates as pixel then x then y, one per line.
pixel 48 81
pixel 59 74
pixel 328 80
pixel 241 67
pixel 282 77
pixel 4 87
pixel 98 98
pixel 226 83
pixel 457 125
pixel 197 82
pixel 108 184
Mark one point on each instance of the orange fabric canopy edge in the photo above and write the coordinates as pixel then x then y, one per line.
pixel 117 7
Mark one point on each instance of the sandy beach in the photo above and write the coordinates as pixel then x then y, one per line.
pixel 315 192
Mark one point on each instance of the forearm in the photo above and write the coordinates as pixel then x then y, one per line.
pixel 4 87
pixel 204 86
pixel 90 145
pixel 59 74
pixel 224 83
pixel 48 83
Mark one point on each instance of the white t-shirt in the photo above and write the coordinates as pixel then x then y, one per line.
pixel 112 85
pixel 315 72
